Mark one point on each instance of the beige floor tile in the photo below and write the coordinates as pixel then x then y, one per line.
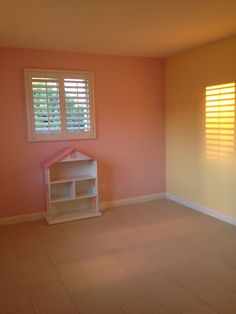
pixel 46 234
pixel 90 274
pixel 37 270
pixel 169 292
pixel 229 258
pixel 25 311
pixel 219 247
pixel 114 240
pixel 62 252
pixel 40 276
pixel 176 226
pixel 6 242
pixel 215 295
pixel 194 237
pixel 141 259
pixel 128 291
pixel 168 260
pixel 22 230
pixel 9 263
pixel 34 262
pixel 201 310
pixel 145 306
pixel 187 273
pixel 133 298
pixel 76 277
pixel 190 254
pixel 106 270
pixel 96 302
pixel 222 249
pixel 218 270
pixel 174 244
pixel 202 235
pixel 146 234
pixel 13 294
pixel 154 257
pixel 28 246
pixel 51 298
pixel 89 246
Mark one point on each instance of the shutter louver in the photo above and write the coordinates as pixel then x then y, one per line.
pixel 220 120
pixel 46 105
pixel 77 102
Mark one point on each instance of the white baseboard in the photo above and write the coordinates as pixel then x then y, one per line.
pixel 22 218
pixel 202 209
pixel 102 205
pixel 131 200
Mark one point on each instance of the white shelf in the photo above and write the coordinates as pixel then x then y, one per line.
pixel 65 199
pixel 61 199
pixel 72 178
pixel 83 196
pixel 71 188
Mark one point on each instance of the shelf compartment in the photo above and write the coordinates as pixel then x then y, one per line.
pixel 80 168
pixel 85 187
pixel 75 209
pixel 62 191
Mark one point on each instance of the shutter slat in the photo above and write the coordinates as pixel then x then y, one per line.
pixel 77 97
pixel 45 93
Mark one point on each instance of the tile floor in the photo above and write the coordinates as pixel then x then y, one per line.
pixel 156 257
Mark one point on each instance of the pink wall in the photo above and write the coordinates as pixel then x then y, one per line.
pixel 129 99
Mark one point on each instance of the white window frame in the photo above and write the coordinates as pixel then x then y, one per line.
pixel 64 134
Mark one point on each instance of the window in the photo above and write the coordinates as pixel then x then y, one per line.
pixel 59 105
pixel 220 120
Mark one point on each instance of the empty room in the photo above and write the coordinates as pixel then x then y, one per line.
pixel 118 157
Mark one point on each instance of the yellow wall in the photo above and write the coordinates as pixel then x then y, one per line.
pixel 209 183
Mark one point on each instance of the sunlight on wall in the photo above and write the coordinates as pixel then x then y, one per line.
pixel 220 121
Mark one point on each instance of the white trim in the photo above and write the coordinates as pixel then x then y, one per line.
pixel 102 205
pixel 205 210
pixel 63 133
pixel 127 201
pixel 22 218
pixel 131 200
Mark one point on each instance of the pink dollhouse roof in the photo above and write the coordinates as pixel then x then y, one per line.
pixel 58 156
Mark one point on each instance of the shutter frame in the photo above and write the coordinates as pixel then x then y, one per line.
pixel 33 135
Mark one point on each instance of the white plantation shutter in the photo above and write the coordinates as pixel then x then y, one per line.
pixel 46 105
pixel 60 105
pixel 77 100
pixel 220 120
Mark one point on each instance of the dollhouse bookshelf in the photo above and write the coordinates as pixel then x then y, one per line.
pixel 71 187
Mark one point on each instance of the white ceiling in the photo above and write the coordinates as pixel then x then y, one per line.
pixel 152 28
